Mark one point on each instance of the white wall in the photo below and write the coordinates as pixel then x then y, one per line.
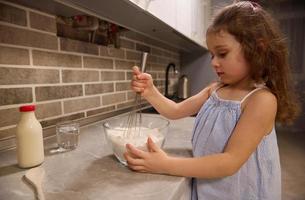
pixel 198 69
pixel 197 66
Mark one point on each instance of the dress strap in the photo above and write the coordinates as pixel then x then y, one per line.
pixel 220 85
pixel 256 89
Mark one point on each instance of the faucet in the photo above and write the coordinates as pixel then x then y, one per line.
pixel 166 77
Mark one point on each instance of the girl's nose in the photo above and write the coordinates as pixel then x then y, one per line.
pixel 215 62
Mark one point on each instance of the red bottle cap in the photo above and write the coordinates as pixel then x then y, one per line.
pixel 27 108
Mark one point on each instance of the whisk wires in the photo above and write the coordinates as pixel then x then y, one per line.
pixel 134 118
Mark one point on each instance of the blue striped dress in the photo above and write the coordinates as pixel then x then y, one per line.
pixel 258 179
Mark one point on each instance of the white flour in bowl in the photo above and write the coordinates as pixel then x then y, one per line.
pixel 118 141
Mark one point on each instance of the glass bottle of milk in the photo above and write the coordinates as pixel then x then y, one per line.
pixel 29 141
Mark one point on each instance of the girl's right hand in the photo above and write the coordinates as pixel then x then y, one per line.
pixel 142 82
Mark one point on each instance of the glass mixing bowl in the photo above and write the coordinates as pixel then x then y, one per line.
pixel 117 136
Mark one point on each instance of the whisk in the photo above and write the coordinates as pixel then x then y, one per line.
pixel 134 119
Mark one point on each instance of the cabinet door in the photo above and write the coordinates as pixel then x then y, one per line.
pixel 200 17
pixel 183 20
pixel 141 3
pixel 189 17
pixel 164 10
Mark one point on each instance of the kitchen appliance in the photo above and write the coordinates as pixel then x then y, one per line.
pixel 183 87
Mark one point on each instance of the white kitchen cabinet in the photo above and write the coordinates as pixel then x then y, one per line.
pixel 189 17
pixel 200 18
pixel 184 19
pixel 165 10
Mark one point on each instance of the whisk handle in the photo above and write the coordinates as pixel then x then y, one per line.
pixel 143 61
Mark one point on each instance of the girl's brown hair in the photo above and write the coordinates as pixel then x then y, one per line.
pixel 264 48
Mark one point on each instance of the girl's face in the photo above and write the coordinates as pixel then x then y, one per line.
pixel 227 57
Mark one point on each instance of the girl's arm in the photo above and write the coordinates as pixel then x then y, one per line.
pixel 142 82
pixel 256 121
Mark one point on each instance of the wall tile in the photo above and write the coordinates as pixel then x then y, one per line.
pixel 18 36
pixel 11 76
pixel 129 76
pixel 127 65
pixel 99 63
pixel 100 110
pixel 152 59
pixel 52 122
pixel 78 46
pixel 157 67
pixel 44 93
pixel 153 74
pixel 142 47
pixel 113 98
pixel 45 58
pixel 159 83
pixel 122 86
pixel 12 15
pixel 131 95
pixel 15 96
pixel 112 76
pixel 155 51
pixel 111 52
pixel 7 144
pixel 162 60
pixel 7 133
pixel 127 44
pixel 125 105
pixel 42 22
pixel 167 54
pixel 99 88
pixel 81 104
pixel 48 110
pixel 133 55
pixel 161 75
pixel 9 116
pixel 74 76
pixel 14 56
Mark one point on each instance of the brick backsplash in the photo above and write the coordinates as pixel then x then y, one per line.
pixel 98 63
pixel 28 38
pixel 67 79
pixel 17 76
pixel 10 55
pixel 12 15
pixel 15 96
pixel 45 58
pixel 42 22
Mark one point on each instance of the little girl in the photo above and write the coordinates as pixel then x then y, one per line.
pixel 234 141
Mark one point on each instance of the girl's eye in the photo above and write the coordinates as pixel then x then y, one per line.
pixel 222 55
pixel 212 56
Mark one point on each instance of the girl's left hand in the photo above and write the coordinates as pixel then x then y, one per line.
pixel 153 161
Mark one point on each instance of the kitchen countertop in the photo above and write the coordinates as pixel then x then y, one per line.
pixel 92 172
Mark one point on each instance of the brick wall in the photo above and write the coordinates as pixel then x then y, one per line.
pixel 67 79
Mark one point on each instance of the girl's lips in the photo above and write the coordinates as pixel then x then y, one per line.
pixel 220 73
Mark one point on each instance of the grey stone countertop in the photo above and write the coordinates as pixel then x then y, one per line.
pixel 92 172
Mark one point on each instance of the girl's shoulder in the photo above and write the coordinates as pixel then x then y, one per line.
pixel 214 86
pixel 263 96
